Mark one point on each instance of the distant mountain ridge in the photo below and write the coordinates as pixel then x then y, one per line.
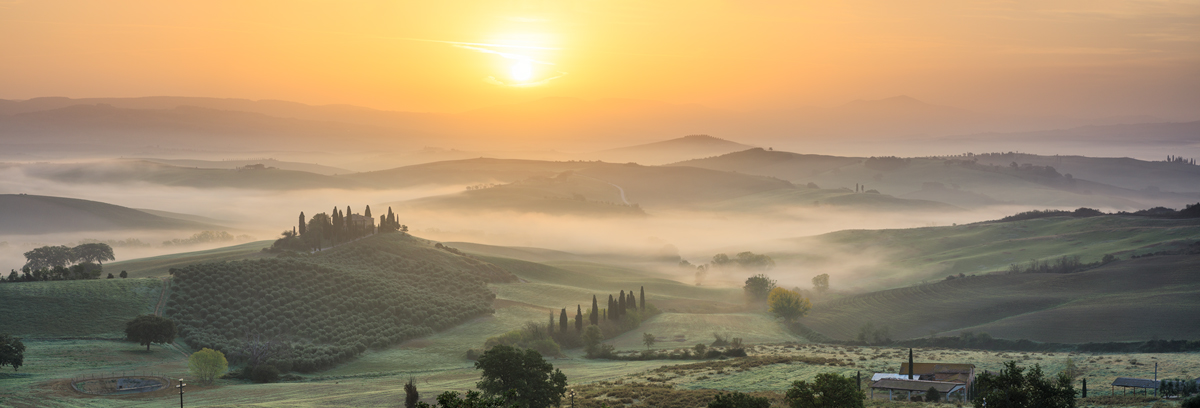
pixel 34 214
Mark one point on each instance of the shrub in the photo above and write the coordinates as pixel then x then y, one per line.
pixel 738 400
pixel 265 373
pixel 826 391
pixel 1193 402
pixel 932 395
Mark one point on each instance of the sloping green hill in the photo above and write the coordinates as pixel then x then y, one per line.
pixel 906 256
pixel 1118 171
pixel 1132 300
pixel 33 214
pixel 159 266
pixel 669 151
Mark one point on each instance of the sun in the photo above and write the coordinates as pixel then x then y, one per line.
pixel 522 70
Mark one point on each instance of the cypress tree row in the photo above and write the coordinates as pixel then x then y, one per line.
pixel 630 301
pixel 612 309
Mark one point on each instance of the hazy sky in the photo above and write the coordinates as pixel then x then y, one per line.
pixel 1085 57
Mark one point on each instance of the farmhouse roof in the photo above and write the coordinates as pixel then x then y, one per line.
pixel 1135 382
pixel 880 376
pixel 937 368
pixel 915 385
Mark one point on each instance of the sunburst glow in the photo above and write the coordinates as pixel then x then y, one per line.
pixel 522 70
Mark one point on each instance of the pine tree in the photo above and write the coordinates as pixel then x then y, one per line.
pixel 302 223
pixel 562 321
pixel 579 318
pixel 594 316
pixel 642 302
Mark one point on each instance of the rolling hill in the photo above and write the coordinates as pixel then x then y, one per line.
pixel 902 257
pixel 33 214
pixel 669 151
pixel 1124 172
pixel 140 171
pixel 962 182
pixel 234 164
pixel 1131 300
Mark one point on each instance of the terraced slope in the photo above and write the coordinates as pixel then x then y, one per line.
pixel 1132 300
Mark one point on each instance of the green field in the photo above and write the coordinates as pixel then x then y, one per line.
pixel 908 256
pixel 1133 300
pixel 159 266
pixel 81 308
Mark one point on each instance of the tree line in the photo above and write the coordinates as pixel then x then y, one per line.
pixel 335 228
pixel 60 262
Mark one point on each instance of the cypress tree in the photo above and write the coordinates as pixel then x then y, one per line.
pixel 605 314
pixel 562 321
pixel 302 226
pixel 611 308
pixel 367 212
pixel 642 302
pixel 594 316
pixel 579 318
pixel 621 304
pixel 550 327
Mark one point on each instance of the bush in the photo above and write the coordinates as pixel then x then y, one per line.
pixel 932 395
pixel 826 391
pixel 738 400
pixel 1193 402
pixel 265 373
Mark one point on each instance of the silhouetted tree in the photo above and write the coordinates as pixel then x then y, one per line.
pixel 147 329
pixel 621 304
pixel 758 286
pixel 642 301
pixel 738 400
pixel 828 390
pixel 410 394
pixel 124 274
pixel 579 318
pixel 93 252
pixel 594 316
pixel 367 212
pixel 821 282
pixel 303 224
pixel 12 352
pixel 630 301
pixel 562 321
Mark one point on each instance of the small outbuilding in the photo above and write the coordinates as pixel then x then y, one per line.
pixel 1143 383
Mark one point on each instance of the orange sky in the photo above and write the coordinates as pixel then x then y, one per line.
pixel 1086 57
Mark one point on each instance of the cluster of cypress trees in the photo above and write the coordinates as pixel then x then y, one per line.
pixel 389 222
pixel 620 306
pixel 342 227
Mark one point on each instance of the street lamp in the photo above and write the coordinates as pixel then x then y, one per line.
pixel 572 394
pixel 180 387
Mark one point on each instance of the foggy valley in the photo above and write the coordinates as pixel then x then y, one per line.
pixel 750 205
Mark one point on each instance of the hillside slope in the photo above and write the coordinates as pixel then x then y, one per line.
pixel 880 259
pixel 33 214
pixel 670 151
pixel 1132 300
pixel 140 171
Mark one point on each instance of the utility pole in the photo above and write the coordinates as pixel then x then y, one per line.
pixel 180 387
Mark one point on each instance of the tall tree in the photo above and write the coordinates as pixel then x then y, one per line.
pixel 612 308
pixel 630 301
pixel 594 316
pixel 550 327
pixel 562 321
pixel 828 390
pixel 303 224
pixel 621 304
pixel 12 352
pixel 523 377
pixel 411 397
pixel 49 257
pixel 787 305
pixel 579 318
pixel 367 212
pixel 147 329
pixel 642 301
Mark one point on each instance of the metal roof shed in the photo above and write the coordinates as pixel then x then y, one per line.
pixel 919 386
pixel 1126 383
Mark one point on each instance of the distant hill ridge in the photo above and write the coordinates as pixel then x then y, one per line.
pixel 35 214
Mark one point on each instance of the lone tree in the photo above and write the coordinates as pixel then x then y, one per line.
pixel 411 397
pixel 642 298
pixel 758 286
pixel 147 329
pixel 12 352
pixel 1013 388
pixel 787 305
pixel 826 391
pixel 821 283
pixel 523 377
pixel 207 365
pixel 648 340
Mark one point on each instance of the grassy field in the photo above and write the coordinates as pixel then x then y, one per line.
pixel 1133 300
pixel 908 256
pixel 82 308
pixel 159 266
